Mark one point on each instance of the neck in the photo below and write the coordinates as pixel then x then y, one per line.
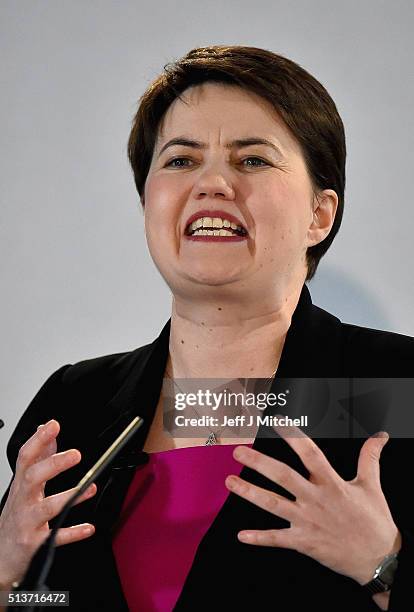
pixel 221 339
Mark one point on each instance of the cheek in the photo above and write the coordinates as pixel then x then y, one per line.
pixel 160 212
pixel 283 217
pixel 277 207
pixel 155 196
pixel 161 216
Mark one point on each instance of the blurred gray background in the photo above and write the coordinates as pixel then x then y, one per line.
pixel 77 281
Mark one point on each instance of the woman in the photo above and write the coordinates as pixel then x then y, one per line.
pixel 239 160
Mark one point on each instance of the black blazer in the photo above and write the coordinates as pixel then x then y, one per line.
pixel 95 399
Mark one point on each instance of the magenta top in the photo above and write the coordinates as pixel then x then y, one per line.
pixel 170 505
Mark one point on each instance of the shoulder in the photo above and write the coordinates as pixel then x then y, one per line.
pixel 378 339
pixel 93 382
pixel 108 369
pixel 384 352
pixel 388 353
pixel 102 374
pixel 77 395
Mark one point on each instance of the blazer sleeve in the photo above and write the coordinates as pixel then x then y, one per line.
pixel 402 591
pixel 395 480
pixel 45 405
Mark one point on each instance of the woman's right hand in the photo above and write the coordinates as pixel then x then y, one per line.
pixel 24 520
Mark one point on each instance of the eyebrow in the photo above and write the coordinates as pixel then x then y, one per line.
pixel 234 144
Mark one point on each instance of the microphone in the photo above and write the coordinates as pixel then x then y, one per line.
pixel 39 567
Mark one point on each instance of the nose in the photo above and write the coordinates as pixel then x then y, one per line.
pixel 213 184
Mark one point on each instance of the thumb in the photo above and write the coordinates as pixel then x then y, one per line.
pixel 369 457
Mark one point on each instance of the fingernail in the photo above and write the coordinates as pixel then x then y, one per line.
pixel 45 431
pixel 73 456
pixel 238 452
pixel 88 530
pixel 50 425
pixel 380 434
pixel 231 482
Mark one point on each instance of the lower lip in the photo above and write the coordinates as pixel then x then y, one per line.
pixel 216 238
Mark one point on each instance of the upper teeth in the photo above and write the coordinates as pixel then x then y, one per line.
pixel 216 222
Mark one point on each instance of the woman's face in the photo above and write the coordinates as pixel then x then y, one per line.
pixel 216 181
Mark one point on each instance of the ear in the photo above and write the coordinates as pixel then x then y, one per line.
pixel 324 208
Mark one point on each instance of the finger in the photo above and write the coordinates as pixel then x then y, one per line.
pixel 274 470
pixel 280 538
pixel 50 507
pixel 310 454
pixel 31 450
pixel 38 473
pixel 369 457
pixel 267 500
pixel 67 535
pixel 50 449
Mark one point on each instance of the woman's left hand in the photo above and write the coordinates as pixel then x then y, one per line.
pixel 345 525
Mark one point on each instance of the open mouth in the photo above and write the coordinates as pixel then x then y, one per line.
pixel 214 226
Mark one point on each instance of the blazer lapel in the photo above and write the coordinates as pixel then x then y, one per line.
pixel 138 396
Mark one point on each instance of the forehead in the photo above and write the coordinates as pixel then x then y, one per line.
pixel 218 110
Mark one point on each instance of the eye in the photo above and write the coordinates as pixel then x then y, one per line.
pixel 177 159
pixel 177 162
pixel 255 159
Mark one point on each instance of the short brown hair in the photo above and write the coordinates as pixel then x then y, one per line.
pixel 302 102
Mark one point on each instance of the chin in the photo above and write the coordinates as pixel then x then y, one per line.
pixel 212 280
